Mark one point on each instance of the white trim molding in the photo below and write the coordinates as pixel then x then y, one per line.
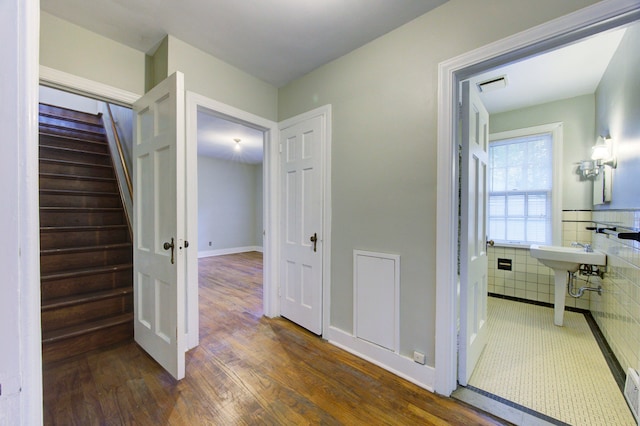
pixel 83 86
pixel 194 101
pixel 402 366
pixel 599 17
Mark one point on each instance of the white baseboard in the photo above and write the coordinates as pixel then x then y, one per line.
pixel 233 250
pixel 402 366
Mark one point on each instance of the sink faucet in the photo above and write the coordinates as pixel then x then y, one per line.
pixel 587 247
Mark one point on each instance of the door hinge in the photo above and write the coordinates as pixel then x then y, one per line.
pixel 280 148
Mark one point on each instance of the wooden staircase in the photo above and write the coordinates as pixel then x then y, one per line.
pixel 86 257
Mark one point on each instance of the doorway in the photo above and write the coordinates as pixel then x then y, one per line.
pixel 541 39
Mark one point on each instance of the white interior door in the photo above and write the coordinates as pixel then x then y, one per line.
pixel 158 222
pixel 302 222
pixel 473 249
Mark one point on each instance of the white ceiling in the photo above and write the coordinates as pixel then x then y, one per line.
pixel 275 40
pixel 216 138
pixel 564 73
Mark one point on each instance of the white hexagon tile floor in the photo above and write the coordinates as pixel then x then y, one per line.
pixel 557 371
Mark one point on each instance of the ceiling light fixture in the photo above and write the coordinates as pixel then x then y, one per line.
pixel 237 147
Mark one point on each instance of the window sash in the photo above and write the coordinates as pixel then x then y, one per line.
pixel 520 189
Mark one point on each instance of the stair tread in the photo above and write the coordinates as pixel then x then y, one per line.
pixel 85 271
pixel 49 129
pixel 78 330
pixel 78 192
pixel 81 228
pixel 81 209
pixel 79 151
pixel 75 163
pixel 77 299
pixel 76 177
pixel 69 250
pixel 68 113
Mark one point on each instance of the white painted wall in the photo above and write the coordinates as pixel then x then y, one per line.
pixel 228 205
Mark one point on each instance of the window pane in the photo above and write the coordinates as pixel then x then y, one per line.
pixel 537 230
pixel 521 177
pixel 498 180
pixel 497 229
pixel 499 156
pixel 515 205
pixel 497 205
pixel 515 230
pixel 516 179
pixel 537 205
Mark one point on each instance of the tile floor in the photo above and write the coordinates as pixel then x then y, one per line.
pixel 557 372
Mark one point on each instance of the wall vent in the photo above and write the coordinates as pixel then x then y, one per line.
pixel 631 392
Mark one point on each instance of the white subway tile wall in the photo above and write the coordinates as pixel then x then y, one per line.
pixel 617 311
pixel 531 280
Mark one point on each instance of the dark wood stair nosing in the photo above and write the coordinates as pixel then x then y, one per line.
pixel 78 192
pixel 76 177
pixel 49 129
pixel 83 228
pixel 52 209
pixel 96 270
pixel 76 151
pixel 84 249
pixel 73 115
pixel 75 163
pixel 81 329
pixel 77 299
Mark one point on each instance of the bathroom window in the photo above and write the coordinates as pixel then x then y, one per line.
pixel 523 168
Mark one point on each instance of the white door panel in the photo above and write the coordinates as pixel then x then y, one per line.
pixel 473 253
pixel 158 222
pixel 301 174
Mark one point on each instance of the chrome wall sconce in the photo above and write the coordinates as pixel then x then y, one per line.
pixel 601 156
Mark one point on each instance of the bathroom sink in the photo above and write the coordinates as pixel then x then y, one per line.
pixel 563 260
pixel 566 258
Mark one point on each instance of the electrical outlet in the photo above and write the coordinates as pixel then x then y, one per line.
pixel 419 357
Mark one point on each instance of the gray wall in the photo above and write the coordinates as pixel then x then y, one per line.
pixel 618 116
pixel 228 204
pixel 384 102
pixel 577 115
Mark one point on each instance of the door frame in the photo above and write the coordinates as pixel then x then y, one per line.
pixel 570 28
pixel 271 306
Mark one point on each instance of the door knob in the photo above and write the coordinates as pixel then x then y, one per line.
pixel 168 246
pixel 490 243
pixel 314 240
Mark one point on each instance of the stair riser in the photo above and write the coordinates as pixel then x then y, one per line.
pixel 91 145
pixel 84 219
pixel 77 345
pixel 75 169
pixel 94 201
pixel 63 123
pixel 78 184
pixel 54 111
pixel 61 262
pixel 73 315
pixel 65 239
pixel 53 289
pixel 75 156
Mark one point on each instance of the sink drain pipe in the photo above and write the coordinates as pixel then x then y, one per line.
pixel 571 287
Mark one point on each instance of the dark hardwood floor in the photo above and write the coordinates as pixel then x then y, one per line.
pixel 247 370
